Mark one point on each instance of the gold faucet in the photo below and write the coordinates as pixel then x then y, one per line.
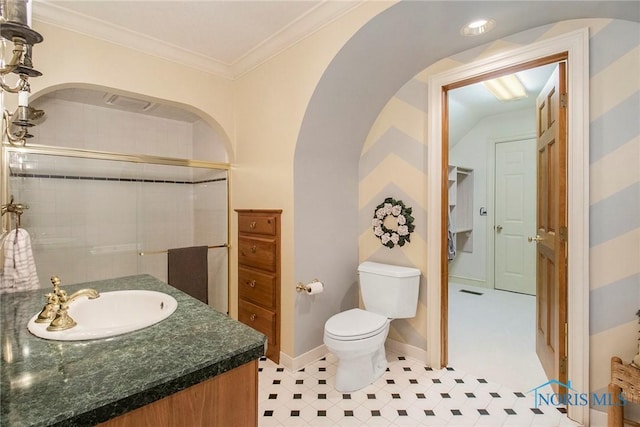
pixel 56 309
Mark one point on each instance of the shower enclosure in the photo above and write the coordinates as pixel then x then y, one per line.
pixel 94 216
pixel 110 189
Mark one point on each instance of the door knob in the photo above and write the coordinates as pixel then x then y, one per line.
pixel 535 239
pixel 498 228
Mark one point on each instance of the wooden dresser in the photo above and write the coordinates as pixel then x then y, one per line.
pixel 259 274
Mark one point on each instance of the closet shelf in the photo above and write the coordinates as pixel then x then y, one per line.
pixel 464 230
pixel 461 205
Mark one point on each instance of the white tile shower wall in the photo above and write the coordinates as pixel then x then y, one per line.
pixel 77 125
pixel 166 221
pixel 131 215
pixel 210 215
pixel 87 230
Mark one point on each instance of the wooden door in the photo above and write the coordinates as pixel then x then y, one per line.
pixel 515 216
pixel 551 238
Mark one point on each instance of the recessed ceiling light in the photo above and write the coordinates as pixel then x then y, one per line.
pixel 477 27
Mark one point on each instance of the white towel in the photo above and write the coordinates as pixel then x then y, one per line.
pixel 19 268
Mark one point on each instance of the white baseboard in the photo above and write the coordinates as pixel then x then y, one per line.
pixel 469 281
pixel 294 364
pixel 297 363
pixel 407 350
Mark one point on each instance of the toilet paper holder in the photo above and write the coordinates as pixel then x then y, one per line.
pixel 302 287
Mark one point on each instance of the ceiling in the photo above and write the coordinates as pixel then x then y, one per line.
pixel 469 104
pixel 227 38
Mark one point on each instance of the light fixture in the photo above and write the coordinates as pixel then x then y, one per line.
pixel 15 30
pixel 477 27
pixel 506 88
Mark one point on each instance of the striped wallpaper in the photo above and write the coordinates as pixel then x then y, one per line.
pixel 393 164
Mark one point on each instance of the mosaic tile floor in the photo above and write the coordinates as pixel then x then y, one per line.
pixel 408 394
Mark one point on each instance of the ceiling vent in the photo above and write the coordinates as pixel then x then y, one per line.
pixel 128 104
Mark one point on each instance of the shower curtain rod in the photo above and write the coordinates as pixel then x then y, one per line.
pixel 224 245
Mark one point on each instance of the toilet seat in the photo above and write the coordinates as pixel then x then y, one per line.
pixel 355 324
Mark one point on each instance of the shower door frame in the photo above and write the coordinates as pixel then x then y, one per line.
pixel 107 155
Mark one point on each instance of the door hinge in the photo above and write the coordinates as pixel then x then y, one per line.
pixel 563 100
pixel 564 233
pixel 563 365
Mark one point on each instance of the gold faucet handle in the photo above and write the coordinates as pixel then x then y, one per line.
pixel 55 281
pixel 61 321
pixel 48 312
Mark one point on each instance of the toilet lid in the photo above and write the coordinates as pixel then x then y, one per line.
pixel 355 324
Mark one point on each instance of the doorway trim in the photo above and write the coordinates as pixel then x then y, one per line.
pixel 575 44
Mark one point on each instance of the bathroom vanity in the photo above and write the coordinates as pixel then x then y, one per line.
pixel 197 367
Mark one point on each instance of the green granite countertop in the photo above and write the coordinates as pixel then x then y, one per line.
pixel 83 383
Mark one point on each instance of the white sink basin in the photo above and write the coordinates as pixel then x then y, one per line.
pixel 113 313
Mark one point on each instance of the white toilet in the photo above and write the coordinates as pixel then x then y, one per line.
pixel 356 337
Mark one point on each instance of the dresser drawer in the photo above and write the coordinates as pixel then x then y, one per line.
pixel 256 287
pixel 257 224
pixel 259 319
pixel 258 253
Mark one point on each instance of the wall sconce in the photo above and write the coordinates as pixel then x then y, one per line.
pixel 15 29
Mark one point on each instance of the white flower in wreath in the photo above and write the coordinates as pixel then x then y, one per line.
pixel 395 238
pixel 392 223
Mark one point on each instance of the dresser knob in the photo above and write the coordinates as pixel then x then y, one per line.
pixel 252 283
pixel 252 225
pixel 253 317
pixel 254 248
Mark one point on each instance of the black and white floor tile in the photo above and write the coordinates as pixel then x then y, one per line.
pixel 408 394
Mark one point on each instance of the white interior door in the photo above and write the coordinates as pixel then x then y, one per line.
pixel 515 216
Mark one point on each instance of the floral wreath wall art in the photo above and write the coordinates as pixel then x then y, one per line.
pixel 393 223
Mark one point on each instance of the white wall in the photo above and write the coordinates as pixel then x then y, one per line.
pixel 271 102
pixel 472 151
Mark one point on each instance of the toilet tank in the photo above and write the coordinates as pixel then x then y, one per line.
pixel 389 290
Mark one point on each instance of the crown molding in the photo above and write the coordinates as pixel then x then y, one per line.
pixel 315 19
pixel 87 25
